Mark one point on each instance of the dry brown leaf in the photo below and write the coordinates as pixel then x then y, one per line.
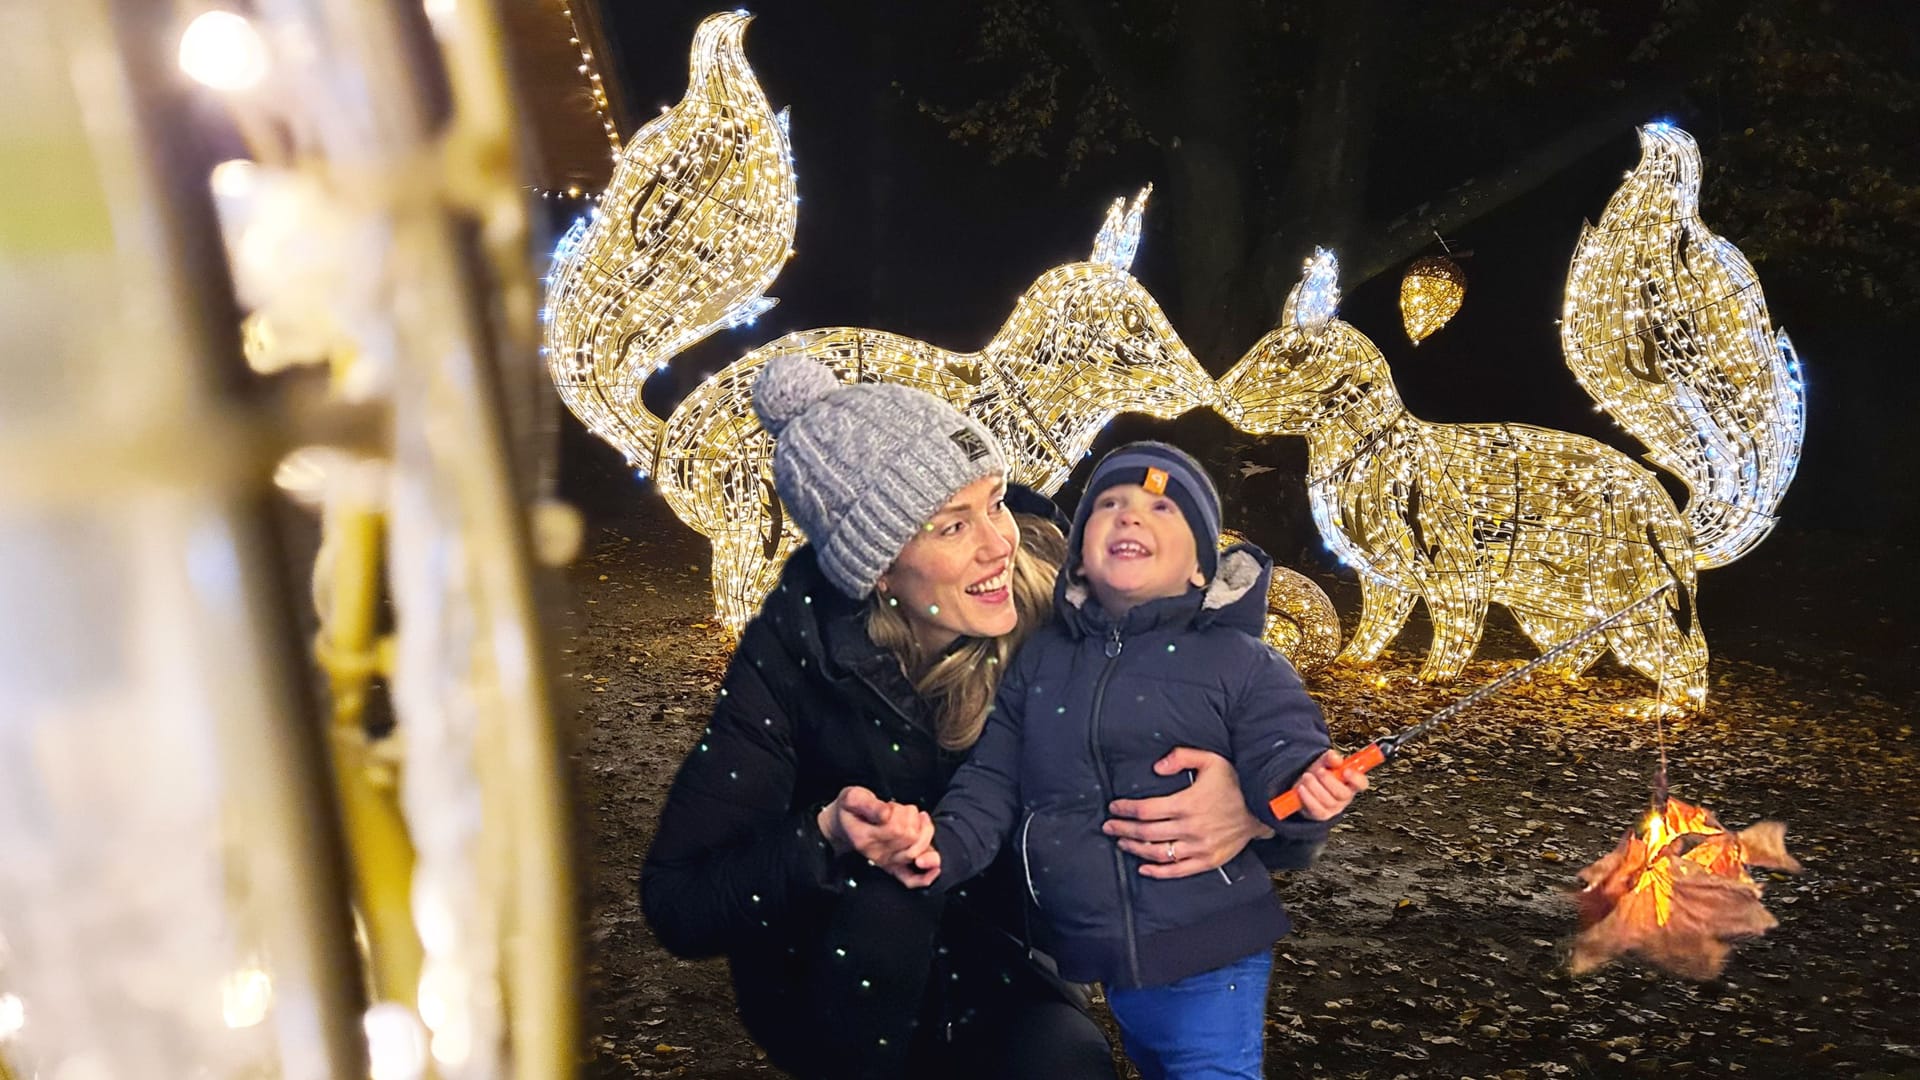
pixel 1765 844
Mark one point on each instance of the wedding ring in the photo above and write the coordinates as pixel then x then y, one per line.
pixel 1171 857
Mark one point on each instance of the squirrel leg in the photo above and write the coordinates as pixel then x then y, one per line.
pixel 1383 611
pixel 1457 604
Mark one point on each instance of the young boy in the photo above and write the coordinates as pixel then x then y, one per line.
pixel 1156 645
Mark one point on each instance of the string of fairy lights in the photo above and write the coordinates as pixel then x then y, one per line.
pixel 596 88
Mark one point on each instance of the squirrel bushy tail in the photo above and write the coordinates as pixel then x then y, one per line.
pixel 696 221
pixel 1666 329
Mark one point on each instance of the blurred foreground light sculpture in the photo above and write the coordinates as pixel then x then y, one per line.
pixel 172 898
pixel 175 895
pixel 693 229
pixel 1430 295
pixel 1301 621
pixel 1558 528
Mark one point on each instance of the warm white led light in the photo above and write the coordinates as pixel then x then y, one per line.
pixel 223 50
pixel 1430 295
pixel 396 1042
pixel 236 179
pixel 13 1017
pixel 245 997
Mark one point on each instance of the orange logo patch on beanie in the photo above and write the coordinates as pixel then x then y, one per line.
pixel 1156 481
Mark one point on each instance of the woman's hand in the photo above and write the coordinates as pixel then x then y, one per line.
pixel 1192 831
pixel 892 836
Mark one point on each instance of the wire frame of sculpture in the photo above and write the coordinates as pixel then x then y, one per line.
pixel 1666 327
pixel 1083 344
pixel 695 224
pixel 1301 621
pixel 696 221
pixel 1558 528
pixel 1431 293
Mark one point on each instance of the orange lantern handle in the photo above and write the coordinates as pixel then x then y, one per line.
pixel 1381 750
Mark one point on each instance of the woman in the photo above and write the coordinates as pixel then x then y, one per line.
pixel 872 665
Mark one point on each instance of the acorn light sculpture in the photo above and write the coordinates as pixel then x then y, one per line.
pixel 1666 328
pixel 1431 293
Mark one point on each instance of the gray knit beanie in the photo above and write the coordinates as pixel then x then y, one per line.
pixel 862 467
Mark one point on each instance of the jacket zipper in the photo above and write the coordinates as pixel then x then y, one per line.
pixel 1113 647
pixel 1026 861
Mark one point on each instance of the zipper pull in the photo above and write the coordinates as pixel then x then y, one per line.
pixel 1113 644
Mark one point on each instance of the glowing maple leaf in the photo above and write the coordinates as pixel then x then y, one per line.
pixel 1678 896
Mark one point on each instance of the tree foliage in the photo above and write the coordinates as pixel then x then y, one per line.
pixel 1353 120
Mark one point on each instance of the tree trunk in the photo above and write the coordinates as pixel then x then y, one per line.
pixel 1207 166
pixel 1323 202
pixel 883 136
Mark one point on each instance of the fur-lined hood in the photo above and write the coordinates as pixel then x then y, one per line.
pixel 1236 597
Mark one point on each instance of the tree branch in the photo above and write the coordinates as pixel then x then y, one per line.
pixel 1473 199
pixel 1141 97
pixel 1656 89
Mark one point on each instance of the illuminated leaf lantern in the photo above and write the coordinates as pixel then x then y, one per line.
pixel 1676 892
pixel 1430 295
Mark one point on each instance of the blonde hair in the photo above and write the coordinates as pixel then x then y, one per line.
pixel 962 683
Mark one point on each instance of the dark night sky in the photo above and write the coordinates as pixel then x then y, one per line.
pixel 903 230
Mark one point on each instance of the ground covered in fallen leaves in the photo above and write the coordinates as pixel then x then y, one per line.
pixel 1432 938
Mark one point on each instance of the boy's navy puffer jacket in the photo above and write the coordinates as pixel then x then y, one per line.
pixel 1089 705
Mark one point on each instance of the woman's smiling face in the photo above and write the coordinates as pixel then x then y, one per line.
pixel 955 577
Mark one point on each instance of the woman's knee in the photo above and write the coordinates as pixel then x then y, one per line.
pixel 1046 1040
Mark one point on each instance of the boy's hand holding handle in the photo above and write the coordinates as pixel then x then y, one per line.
pixel 1330 783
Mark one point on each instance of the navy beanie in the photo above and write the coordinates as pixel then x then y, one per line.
pixel 1184 481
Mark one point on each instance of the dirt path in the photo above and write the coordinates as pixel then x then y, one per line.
pixel 1431 940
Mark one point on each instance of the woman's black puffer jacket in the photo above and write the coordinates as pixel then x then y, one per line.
pixel 837 969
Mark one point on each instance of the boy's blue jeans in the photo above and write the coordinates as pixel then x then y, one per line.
pixel 1208 1025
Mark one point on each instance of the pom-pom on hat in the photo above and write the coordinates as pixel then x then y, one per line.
pixel 861 467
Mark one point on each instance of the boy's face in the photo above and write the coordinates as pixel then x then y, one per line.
pixel 1137 547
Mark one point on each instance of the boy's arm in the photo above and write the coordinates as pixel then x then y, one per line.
pixel 1277 732
pixel 982 803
